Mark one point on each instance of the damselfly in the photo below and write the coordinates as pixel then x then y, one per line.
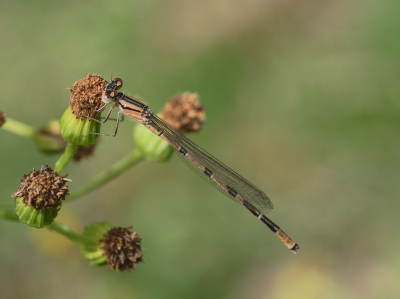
pixel 217 174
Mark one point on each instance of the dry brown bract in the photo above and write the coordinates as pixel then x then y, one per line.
pixel 87 90
pixel 43 189
pixel 84 151
pixel 184 112
pixel 2 118
pixel 122 249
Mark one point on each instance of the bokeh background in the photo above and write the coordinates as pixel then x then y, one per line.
pixel 302 98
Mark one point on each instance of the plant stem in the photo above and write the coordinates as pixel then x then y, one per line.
pixel 66 231
pixel 18 128
pixel 9 214
pixel 68 154
pixel 133 158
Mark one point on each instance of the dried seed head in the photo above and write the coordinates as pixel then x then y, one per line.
pixel 122 249
pixel 87 90
pixel 84 151
pixel 43 189
pixel 2 118
pixel 184 112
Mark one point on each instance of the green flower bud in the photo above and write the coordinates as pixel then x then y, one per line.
pixel 91 241
pixel 30 216
pixel 153 147
pixel 48 138
pixel 74 129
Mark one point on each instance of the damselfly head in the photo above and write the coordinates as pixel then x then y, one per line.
pixel 117 83
pixel 110 90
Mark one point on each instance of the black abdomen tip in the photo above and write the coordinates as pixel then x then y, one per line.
pixel 295 248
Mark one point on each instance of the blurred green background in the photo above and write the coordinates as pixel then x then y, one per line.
pixel 302 98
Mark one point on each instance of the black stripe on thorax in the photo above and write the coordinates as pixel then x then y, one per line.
pixel 129 108
pixel 130 100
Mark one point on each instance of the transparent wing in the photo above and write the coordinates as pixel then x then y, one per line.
pixel 246 189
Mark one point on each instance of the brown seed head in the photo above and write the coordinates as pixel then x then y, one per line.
pixel 43 189
pixel 87 90
pixel 184 112
pixel 84 151
pixel 2 118
pixel 122 249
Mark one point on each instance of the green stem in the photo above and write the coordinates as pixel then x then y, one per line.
pixel 68 154
pixel 18 128
pixel 66 231
pixel 9 214
pixel 133 158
